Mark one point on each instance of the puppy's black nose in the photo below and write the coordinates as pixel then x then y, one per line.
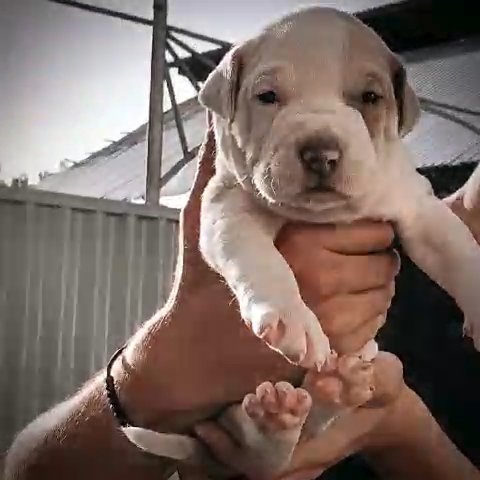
pixel 320 156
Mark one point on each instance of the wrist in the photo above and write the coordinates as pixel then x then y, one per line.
pixel 147 379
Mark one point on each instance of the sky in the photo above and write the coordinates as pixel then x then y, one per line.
pixel 71 81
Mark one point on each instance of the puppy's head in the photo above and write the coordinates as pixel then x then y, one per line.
pixel 307 109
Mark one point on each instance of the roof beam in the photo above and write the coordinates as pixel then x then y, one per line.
pixel 104 11
pixel 414 24
pixel 405 26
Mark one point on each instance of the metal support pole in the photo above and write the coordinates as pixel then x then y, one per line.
pixel 155 122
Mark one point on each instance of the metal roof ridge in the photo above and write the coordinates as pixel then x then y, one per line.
pixel 139 134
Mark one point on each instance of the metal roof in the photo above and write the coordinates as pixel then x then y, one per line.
pixel 118 171
pixel 450 75
pixel 443 74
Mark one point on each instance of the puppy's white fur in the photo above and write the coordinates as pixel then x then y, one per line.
pixel 318 61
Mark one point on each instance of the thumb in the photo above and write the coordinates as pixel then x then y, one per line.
pixel 471 199
pixel 465 203
pixel 190 215
pixel 467 197
pixel 206 163
pixel 388 379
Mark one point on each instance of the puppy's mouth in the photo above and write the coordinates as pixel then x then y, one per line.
pixel 309 192
pixel 322 194
pixel 319 202
pixel 317 187
pixel 320 187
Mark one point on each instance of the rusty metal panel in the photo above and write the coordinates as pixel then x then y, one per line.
pixel 77 277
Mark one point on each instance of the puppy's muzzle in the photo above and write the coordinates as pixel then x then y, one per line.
pixel 320 157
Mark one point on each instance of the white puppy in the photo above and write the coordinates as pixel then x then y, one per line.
pixel 309 118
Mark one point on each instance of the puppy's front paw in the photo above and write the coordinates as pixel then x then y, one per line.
pixel 277 408
pixel 293 331
pixel 346 382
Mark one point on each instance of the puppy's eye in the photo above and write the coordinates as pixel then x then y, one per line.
pixel 370 97
pixel 267 98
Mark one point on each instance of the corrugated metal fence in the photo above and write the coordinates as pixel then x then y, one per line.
pixel 77 275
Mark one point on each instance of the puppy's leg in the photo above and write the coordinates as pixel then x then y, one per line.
pixel 236 239
pixel 443 247
pixel 267 426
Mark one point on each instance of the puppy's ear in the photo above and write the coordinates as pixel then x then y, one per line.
pixel 220 90
pixel 408 106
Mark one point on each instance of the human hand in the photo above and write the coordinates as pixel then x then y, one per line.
pixel 465 203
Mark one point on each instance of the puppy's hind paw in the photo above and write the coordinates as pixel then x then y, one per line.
pixel 277 408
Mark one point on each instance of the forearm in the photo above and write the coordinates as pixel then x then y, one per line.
pixel 408 444
pixel 79 439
